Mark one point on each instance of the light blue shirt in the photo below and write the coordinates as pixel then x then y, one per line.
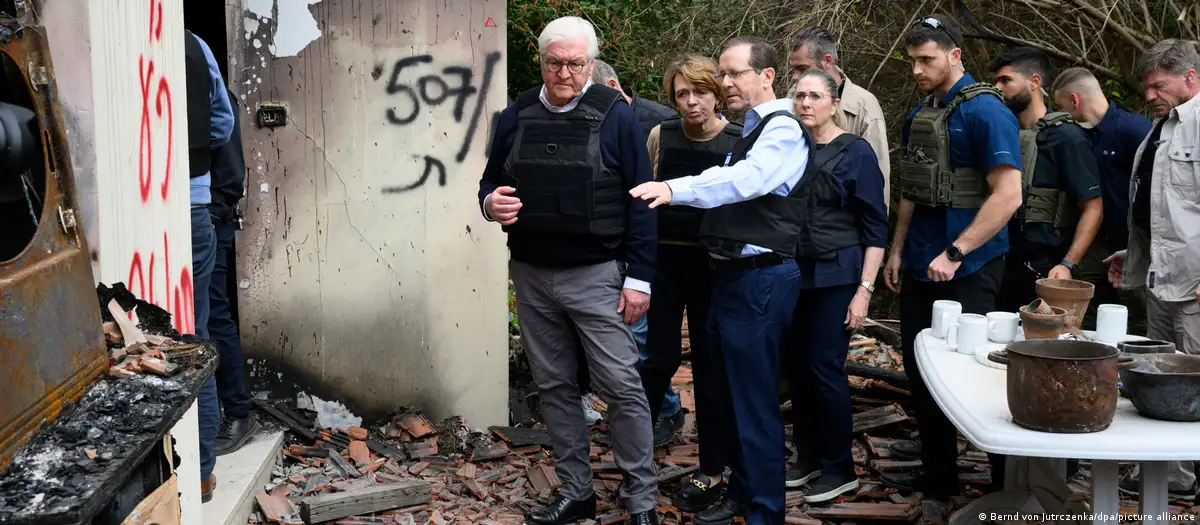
pixel 774 164
pixel 220 123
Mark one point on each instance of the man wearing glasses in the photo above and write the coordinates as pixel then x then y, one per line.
pixel 563 158
pixel 959 182
pixel 750 234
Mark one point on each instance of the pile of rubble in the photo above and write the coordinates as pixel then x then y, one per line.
pixel 408 471
pixel 140 337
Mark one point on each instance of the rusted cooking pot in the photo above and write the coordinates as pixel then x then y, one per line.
pixel 1069 294
pixel 1043 326
pixel 1060 385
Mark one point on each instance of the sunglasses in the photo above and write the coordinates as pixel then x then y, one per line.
pixel 933 23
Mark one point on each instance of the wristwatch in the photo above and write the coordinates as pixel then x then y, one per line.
pixel 954 254
pixel 1070 265
pixel 870 286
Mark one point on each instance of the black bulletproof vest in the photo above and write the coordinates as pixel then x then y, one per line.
pixel 679 156
pixel 770 221
pixel 560 176
pixel 828 225
pixel 199 109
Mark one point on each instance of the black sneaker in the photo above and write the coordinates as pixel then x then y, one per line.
pixel 910 449
pixel 905 482
pixel 798 475
pixel 830 487
pixel 722 514
pixel 698 494
pixel 665 429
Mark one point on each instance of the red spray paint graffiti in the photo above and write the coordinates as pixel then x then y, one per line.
pixel 175 297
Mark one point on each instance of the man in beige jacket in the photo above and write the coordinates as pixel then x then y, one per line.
pixel 1163 257
pixel 859 112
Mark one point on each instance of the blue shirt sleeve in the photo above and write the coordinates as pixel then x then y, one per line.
pixel 641 231
pixel 863 180
pixel 993 132
pixel 221 112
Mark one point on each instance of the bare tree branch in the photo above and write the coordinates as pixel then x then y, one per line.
pixel 896 42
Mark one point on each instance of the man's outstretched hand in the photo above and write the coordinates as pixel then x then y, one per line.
pixel 659 193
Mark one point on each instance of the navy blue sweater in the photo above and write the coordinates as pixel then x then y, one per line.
pixel 622 147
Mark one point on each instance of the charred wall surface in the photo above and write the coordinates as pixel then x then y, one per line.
pixel 365 265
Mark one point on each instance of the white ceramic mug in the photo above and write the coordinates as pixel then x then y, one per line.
pixel 1002 327
pixel 968 333
pixel 945 313
pixel 1112 323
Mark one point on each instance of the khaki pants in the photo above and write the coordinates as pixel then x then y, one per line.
pixel 1179 323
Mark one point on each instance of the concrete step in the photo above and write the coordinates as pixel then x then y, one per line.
pixel 240 476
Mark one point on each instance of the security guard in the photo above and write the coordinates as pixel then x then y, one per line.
pixel 679 147
pixel 1052 232
pixel 960 182
pixel 563 157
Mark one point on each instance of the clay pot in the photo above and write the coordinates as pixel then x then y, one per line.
pixel 1069 294
pixel 1043 326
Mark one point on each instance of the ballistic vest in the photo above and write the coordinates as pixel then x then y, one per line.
pixel 199 106
pixel 771 221
pixel 558 172
pixel 1042 205
pixel 926 174
pixel 828 225
pixel 679 156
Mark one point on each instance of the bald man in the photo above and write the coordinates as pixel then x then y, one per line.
pixel 1116 135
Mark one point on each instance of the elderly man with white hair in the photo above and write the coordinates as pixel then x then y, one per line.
pixel 564 157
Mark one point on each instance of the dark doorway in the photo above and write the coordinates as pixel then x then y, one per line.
pixel 206 19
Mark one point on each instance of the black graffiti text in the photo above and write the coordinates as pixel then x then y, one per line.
pixel 431 164
pixel 434 89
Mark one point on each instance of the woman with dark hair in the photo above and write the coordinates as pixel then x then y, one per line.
pixel 841 249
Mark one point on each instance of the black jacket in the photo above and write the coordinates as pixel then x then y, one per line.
pixel 228 170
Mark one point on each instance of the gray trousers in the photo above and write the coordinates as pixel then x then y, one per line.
pixel 588 296
pixel 1179 323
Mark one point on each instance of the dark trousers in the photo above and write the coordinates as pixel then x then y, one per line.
pixel 231 383
pixel 751 312
pixel 819 387
pixel 204 244
pixel 977 293
pixel 683 280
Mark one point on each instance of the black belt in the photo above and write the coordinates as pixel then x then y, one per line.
pixel 762 260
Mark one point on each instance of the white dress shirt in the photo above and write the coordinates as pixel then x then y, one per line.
pixel 775 164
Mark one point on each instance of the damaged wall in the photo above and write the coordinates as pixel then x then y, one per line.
pixel 365 265
pixel 127 133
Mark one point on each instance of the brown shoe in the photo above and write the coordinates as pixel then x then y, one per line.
pixel 207 487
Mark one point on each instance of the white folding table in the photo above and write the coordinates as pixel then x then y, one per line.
pixel 974 398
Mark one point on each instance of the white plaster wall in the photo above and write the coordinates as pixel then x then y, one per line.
pixel 360 269
pixel 142 235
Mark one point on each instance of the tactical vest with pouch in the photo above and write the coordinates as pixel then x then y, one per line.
pixel 559 174
pixel 927 176
pixel 678 157
pixel 1042 205
pixel 771 221
pixel 828 225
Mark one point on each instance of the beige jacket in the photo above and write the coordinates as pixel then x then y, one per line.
pixel 861 115
pixel 1172 253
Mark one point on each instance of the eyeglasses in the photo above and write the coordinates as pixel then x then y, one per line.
pixel 815 97
pixel 574 67
pixel 735 74
pixel 933 23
